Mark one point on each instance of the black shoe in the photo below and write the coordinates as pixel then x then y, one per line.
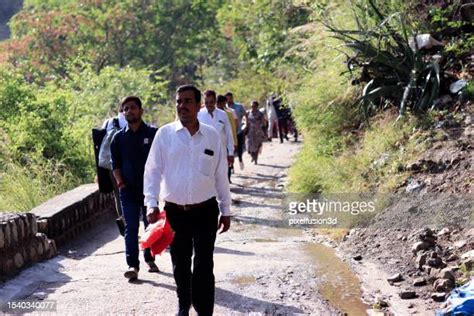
pixel 183 310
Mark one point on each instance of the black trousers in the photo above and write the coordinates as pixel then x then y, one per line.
pixel 194 229
pixel 282 128
pixel 240 145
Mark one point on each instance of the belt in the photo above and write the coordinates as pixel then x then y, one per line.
pixel 188 207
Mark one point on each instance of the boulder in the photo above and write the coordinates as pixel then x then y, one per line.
pixel 421 260
pixel 443 285
pixel 420 245
pixel 447 273
pixel 406 295
pixel 419 282
pixel 395 278
pixel 438 297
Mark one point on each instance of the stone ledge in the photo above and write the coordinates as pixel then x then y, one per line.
pixel 65 215
pixel 26 238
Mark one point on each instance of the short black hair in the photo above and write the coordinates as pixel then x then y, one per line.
pixel 131 98
pixel 221 98
pixel 208 93
pixel 229 94
pixel 190 87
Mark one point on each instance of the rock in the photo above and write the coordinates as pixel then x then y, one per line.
pixel 18 260
pixel 443 285
pixel 357 257
pixel 14 232
pixel 6 231
pixel 21 229
pixel 470 232
pixel 2 238
pixel 395 278
pixel 468 255
pixel 414 186
pixel 382 302
pixel 42 225
pixel 406 295
pixel 438 297
pixel 460 244
pixel 424 232
pixel 420 245
pixel 40 248
pixel 419 282
pixel 447 273
pixel 421 260
pixel 444 231
pixel 32 253
pixel 435 261
pixel 452 257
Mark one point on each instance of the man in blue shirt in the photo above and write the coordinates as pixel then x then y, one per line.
pixel 240 111
pixel 129 149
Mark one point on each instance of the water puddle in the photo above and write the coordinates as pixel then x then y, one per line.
pixel 339 285
pixel 244 280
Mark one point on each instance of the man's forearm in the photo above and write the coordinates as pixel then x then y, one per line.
pixel 118 177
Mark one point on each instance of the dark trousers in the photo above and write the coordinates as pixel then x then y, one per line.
pixel 283 128
pixel 194 229
pixel 240 145
pixel 132 210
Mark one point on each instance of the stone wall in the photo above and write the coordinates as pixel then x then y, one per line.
pixel 21 243
pixel 30 237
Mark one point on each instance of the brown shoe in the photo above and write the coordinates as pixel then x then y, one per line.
pixel 131 274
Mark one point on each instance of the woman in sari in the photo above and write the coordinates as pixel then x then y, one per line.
pixel 254 131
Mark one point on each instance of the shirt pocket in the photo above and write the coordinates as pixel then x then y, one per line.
pixel 205 164
pixel 220 126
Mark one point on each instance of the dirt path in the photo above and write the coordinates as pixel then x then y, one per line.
pixel 259 266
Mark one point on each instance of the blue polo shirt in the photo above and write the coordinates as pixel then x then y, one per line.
pixel 129 151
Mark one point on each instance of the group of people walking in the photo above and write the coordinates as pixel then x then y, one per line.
pixel 187 164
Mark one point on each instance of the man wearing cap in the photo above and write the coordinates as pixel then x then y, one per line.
pixel 187 168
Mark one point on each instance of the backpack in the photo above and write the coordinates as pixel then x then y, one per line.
pixel 105 156
pixel 103 174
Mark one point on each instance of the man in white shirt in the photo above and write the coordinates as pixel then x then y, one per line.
pixel 187 169
pixel 218 119
pixel 272 117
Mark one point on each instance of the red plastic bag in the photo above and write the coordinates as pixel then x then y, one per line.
pixel 158 236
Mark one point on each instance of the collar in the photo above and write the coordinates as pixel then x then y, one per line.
pixel 142 126
pixel 179 126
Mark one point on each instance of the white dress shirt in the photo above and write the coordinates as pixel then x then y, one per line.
pixel 178 170
pixel 220 121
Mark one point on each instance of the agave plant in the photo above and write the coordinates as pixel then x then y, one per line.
pixel 394 72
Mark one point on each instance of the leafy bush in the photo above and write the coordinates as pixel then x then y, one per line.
pixel 46 130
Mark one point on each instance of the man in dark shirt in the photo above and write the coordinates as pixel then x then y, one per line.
pixel 130 148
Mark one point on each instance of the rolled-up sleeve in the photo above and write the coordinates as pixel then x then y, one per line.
pixel 153 172
pixel 222 183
